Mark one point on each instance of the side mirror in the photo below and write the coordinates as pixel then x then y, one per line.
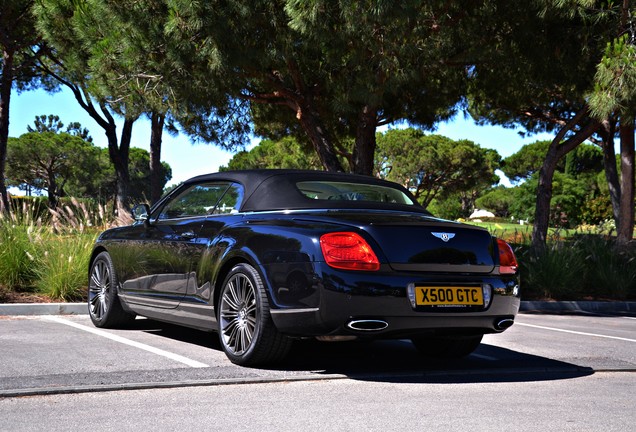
pixel 140 213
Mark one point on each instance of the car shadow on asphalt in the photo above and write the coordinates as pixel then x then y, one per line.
pixel 399 361
pixel 393 360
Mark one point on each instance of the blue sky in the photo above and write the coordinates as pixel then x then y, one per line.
pixel 188 160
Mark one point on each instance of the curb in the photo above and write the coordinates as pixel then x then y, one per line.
pixel 43 309
pixel 593 307
pixel 10 309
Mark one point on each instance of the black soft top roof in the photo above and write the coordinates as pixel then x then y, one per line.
pixel 275 189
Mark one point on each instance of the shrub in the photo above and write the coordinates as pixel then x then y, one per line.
pixel 555 273
pixel 19 236
pixel 584 266
pixel 610 271
pixel 51 257
pixel 62 273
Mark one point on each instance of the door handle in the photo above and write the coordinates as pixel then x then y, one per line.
pixel 187 235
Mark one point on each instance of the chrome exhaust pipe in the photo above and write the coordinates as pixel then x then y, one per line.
pixel 503 324
pixel 367 325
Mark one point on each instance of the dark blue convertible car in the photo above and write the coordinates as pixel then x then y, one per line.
pixel 267 256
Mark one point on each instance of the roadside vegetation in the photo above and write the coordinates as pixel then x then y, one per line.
pixel 45 255
pixel 583 263
pixel 44 252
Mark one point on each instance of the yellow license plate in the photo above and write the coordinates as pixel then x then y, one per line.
pixel 449 296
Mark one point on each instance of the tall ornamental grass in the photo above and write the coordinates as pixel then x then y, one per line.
pixel 582 267
pixel 50 257
pixel 610 272
pixel 62 271
pixel 555 273
pixel 20 236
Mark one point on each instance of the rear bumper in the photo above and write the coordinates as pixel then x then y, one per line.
pixel 379 302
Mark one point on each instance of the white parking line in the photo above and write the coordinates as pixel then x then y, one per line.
pixel 575 332
pixel 167 354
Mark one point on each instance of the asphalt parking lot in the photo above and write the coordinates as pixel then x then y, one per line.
pixel 53 354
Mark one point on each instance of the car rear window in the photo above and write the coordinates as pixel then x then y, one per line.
pixel 345 191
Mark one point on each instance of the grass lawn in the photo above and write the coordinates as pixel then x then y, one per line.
pixel 509 231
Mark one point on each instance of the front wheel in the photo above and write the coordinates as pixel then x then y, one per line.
pixel 246 330
pixel 447 347
pixel 104 307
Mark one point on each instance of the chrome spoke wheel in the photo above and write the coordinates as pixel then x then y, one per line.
pixel 104 306
pixel 98 290
pixel 246 329
pixel 238 317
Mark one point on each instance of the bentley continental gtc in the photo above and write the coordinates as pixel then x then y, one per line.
pixel 264 257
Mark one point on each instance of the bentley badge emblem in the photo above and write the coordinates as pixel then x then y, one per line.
pixel 443 236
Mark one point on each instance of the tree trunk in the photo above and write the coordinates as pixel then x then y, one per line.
pixel 118 152
pixel 119 156
pixel 52 189
pixel 156 130
pixel 544 191
pixel 544 196
pixel 364 148
pixel 625 228
pixel 320 139
pixel 609 164
pixel 6 82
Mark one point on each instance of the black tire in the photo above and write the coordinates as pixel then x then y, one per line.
pixel 104 307
pixel 246 330
pixel 446 347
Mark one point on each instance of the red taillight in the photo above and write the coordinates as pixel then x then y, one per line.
pixel 349 251
pixel 507 260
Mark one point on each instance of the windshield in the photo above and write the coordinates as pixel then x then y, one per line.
pixel 344 191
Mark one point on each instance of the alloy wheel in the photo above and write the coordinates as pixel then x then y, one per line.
pixel 239 314
pixel 99 289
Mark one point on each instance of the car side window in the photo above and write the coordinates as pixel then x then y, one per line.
pixel 231 201
pixel 197 200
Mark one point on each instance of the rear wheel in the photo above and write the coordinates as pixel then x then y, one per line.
pixel 104 307
pixel 448 347
pixel 246 330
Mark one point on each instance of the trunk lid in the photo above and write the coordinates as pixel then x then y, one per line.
pixel 417 242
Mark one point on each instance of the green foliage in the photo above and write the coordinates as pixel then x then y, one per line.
pixel 61 273
pixel 579 191
pixel 610 271
pixel 433 165
pixel 47 161
pixel 542 64
pixel 50 253
pixel 278 67
pixel 526 161
pixel 283 153
pixel 569 198
pixel 19 234
pixel 447 208
pixel 597 210
pixel 500 201
pixel 62 164
pixel 553 274
pixel 139 168
pixel 584 159
pixel 21 47
pixel 29 207
pixel 52 123
pixel 615 80
pixel 584 266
